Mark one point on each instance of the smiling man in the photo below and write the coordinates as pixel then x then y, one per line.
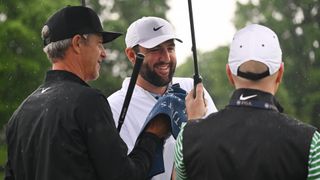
pixel 155 38
pixel 64 130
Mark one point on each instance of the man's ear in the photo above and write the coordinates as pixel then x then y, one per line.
pixel 280 73
pixel 131 54
pixel 75 43
pixel 229 75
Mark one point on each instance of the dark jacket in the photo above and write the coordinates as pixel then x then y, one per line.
pixel 65 130
pixel 248 140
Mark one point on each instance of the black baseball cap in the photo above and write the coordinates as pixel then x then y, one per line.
pixel 73 20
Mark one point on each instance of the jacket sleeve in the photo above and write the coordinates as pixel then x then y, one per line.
pixel 178 157
pixel 106 149
pixel 8 172
pixel 314 158
pixel 210 104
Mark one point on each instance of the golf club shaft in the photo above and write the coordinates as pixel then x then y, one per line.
pixel 196 77
pixel 132 83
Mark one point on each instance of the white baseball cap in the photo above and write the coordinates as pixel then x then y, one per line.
pixel 258 43
pixel 149 32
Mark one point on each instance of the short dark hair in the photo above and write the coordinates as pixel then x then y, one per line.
pixel 136 48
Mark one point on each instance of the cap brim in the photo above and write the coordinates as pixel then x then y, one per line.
pixel 158 40
pixel 110 36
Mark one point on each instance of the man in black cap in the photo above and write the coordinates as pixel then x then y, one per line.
pixel 65 129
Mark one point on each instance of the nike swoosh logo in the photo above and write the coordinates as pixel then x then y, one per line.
pixel 246 97
pixel 157 28
pixel 45 89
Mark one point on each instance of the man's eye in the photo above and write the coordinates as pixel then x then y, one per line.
pixel 171 49
pixel 101 45
pixel 105 46
pixel 154 49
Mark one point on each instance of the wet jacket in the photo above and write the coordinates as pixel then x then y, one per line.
pixel 248 140
pixel 64 130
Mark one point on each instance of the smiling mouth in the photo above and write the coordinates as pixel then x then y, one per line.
pixel 163 69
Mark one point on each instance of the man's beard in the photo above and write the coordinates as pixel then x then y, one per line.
pixel 153 78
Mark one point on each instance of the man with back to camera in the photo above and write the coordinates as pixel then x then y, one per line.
pixel 64 130
pixel 250 138
pixel 155 38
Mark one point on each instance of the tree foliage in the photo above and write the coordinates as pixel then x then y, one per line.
pixel 212 69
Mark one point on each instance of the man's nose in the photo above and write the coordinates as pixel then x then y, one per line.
pixel 166 55
pixel 103 53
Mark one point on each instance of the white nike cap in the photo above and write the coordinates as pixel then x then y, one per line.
pixel 149 32
pixel 258 43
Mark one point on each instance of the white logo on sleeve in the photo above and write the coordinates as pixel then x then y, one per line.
pixel 243 98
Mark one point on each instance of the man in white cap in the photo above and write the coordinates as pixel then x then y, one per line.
pixel 155 38
pixel 251 138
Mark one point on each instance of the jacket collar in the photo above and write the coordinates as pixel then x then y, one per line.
pixel 60 75
pixel 255 98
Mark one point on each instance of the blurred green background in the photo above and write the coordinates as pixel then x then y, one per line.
pixel 23 64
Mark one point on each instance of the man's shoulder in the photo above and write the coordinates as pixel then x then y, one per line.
pixel 116 98
pixel 185 83
pixel 182 80
pixel 291 121
pixel 207 124
pixel 120 92
pixel 78 92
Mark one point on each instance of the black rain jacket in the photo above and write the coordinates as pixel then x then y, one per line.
pixel 65 131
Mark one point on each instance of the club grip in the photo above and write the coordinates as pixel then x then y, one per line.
pixel 132 83
pixel 196 80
